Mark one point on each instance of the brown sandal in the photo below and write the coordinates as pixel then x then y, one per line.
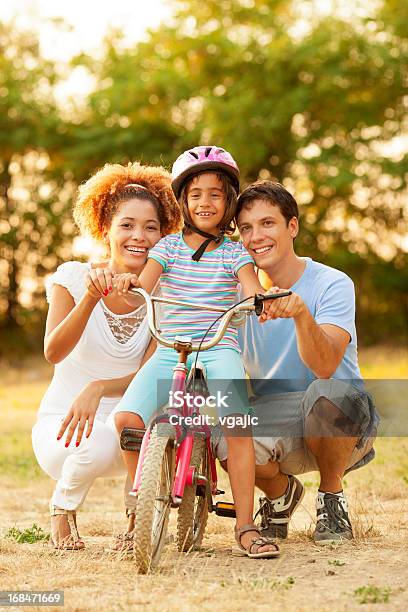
pixel 256 544
pixel 72 540
pixel 123 542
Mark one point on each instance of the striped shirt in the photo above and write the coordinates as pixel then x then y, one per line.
pixel 211 281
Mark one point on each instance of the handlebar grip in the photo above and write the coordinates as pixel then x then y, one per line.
pixel 259 298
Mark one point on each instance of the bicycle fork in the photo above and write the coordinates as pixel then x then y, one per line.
pixel 186 447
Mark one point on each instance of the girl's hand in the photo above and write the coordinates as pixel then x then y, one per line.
pixel 83 410
pixel 123 283
pixel 99 282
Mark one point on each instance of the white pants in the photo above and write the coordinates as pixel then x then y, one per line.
pixel 75 468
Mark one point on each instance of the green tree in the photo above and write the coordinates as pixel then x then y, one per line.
pixel 319 109
pixel 318 104
pixel 31 207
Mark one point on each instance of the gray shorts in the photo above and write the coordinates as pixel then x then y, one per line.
pixel 282 418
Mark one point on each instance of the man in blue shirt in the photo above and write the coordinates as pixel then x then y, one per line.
pixel 309 397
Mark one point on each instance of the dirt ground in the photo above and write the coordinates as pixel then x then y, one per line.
pixel 369 573
pixel 305 577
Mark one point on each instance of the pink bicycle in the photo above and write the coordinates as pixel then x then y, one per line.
pixel 176 467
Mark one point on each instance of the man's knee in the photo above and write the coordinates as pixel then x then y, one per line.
pixel 326 420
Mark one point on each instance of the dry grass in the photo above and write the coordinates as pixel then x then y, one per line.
pixel 305 577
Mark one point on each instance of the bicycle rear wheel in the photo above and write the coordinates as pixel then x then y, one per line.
pixel 154 497
pixel 193 510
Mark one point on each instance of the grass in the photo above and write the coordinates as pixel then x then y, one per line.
pixel 256 584
pixel 303 578
pixel 21 390
pixel 16 455
pixel 28 536
pixel 372 594
pixel 384 362
pixel 337 562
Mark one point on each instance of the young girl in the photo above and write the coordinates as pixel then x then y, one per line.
pixel 94 338
pixel 205 181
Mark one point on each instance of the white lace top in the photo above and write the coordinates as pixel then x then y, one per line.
pixel 124 326
pixel 111 346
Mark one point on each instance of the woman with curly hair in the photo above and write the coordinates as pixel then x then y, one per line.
pixel 95 339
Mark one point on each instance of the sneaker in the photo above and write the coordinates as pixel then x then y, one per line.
pixel 276 513
pixel 333 523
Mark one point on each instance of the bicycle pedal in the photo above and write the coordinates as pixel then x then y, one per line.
pixel 225 509
pixel 131 438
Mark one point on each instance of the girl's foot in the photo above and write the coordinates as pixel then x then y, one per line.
pixel 252 544
pixel 123 542
pixel 64 531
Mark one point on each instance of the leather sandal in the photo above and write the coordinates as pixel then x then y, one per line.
pixel 123 542
pixel 72 540
pixel 256 544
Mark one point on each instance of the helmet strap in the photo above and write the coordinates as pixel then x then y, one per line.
pixel 210 237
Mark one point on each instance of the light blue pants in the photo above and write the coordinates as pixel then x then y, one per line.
pixel 149 390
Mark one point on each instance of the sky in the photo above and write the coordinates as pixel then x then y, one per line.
pixel 89 19
pixel 88 22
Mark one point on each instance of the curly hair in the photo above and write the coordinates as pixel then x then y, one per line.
pixel 99 197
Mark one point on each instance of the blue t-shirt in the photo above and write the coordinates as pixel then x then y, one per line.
pixel 269 349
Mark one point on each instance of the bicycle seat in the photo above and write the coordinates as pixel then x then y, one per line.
pixel 197 380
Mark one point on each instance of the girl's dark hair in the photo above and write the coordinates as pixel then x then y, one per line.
pixel 271 192
pixel 227 224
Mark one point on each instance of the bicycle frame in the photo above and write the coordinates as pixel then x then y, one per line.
pixel 184 475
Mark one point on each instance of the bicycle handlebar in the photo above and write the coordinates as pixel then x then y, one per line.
pixel 255 306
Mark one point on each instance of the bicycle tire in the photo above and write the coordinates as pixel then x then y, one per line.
pixel 154 498
pixel 193 511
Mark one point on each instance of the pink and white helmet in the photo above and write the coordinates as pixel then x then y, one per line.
pixel 203 159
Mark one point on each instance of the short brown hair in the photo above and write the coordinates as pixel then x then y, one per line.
pixel 271 192
pixel 99 197
pixel 227 224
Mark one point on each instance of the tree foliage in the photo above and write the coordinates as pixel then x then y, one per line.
pixel 318 104
pixel 321 111
pixel 30 203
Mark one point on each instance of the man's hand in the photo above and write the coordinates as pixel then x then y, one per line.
pixel 82 411
pixel 290 307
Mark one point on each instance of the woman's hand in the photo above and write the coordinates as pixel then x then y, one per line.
pixel 82 411
pixel 99 282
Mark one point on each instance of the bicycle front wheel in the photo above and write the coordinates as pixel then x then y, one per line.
pixel 193 510
pixel 154 497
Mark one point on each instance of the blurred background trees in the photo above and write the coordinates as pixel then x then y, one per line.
pixel 314 101
pixel 33 210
